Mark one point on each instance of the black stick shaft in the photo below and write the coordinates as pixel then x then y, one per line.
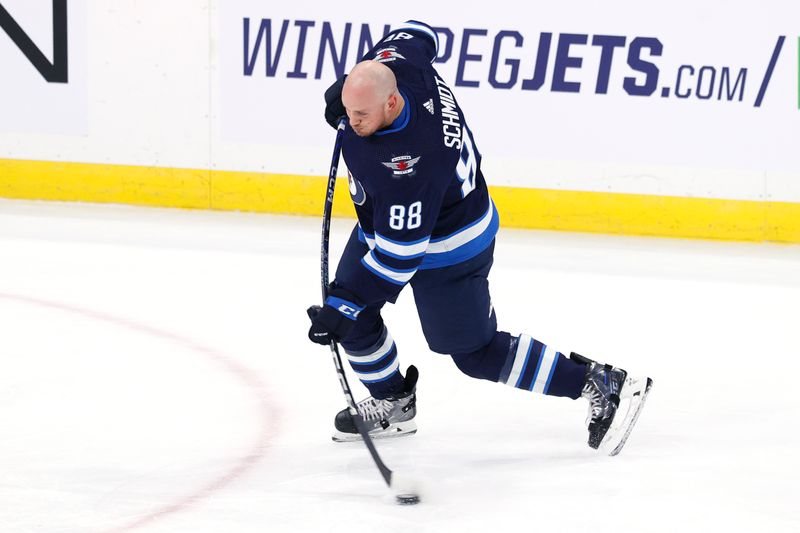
pixel 337 360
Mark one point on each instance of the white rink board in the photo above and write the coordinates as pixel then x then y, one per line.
pixel 177 85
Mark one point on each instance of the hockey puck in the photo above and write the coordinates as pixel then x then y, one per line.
pixel 405 489
pixel 407 499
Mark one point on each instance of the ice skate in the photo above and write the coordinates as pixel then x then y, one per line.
pixel 615 402
pixel 390 417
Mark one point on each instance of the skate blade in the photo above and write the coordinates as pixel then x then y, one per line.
pixel 401 429
pixel 634 393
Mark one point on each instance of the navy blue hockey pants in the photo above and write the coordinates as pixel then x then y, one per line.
pixel 457 318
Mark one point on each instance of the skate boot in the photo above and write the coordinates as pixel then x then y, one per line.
pixel 615 401
pixel 390 417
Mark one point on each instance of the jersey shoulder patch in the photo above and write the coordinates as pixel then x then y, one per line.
pixel 388 54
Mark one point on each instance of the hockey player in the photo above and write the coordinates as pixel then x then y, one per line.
pixel 425 218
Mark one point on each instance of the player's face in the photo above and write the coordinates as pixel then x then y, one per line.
pixel 367 117
pixel 367 110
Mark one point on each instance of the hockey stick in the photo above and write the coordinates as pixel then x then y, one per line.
pixel 402 495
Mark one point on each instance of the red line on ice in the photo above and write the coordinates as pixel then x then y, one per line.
pixel 269 413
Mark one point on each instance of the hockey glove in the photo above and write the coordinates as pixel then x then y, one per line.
pixel 333 321
pixel 334 108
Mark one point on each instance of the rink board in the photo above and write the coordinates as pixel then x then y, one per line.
pixel 613 117
pixel 597 212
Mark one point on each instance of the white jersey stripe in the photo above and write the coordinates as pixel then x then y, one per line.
pixel 543 370
pixel 521 356
pixel 370 239
pixel 401 249
pixel 408 25
pixel 464 236
pixel 398 277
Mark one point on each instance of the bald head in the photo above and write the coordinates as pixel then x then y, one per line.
pixel 371 98
pixel 369 79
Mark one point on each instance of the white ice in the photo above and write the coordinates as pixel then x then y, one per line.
pixel 155 376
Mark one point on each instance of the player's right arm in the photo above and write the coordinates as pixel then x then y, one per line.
pixel 412 41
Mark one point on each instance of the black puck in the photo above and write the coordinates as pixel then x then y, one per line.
pixel 407 499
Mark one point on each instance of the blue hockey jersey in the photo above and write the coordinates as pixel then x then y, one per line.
pixel 419 194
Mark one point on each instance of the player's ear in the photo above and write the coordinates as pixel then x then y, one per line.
pixel 391 103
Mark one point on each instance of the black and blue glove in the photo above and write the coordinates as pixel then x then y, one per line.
pixel 334 108
pixel 333 321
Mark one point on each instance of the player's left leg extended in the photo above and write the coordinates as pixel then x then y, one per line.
pixel 457 318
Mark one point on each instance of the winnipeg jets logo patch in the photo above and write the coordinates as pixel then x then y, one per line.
pixel 356 190
pixel 385 55
pixel 429 106
pixel 402 165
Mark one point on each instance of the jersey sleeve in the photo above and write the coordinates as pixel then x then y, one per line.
pixel 412 40
pixel 366 232
pixel 404 215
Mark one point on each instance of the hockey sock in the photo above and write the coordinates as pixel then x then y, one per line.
pixel 534 366
pixel 377 366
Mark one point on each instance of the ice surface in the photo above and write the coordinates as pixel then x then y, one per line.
pixel 155 376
